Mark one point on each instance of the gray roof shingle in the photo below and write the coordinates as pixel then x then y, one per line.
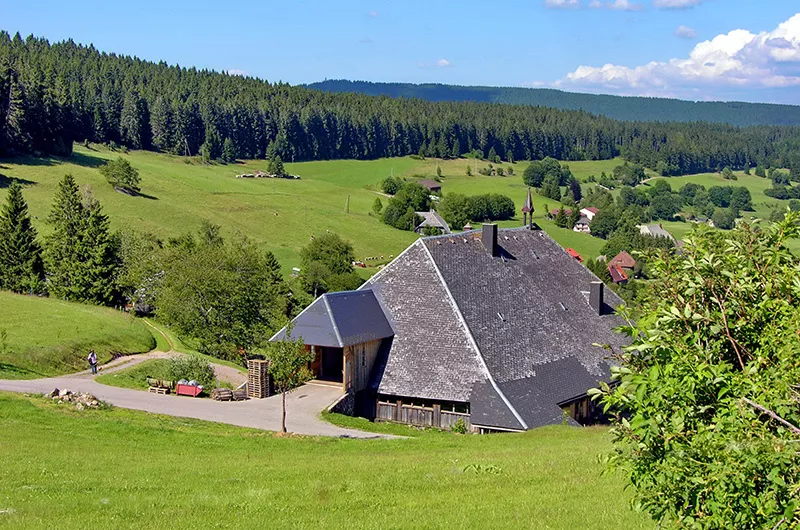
pixel 528 307
pixel 431 355
pixel 341 319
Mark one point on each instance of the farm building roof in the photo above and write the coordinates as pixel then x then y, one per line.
pixel 485 329
pixel 655 230
pixel 341 319
pixel 430 184
pixel 433 219
pixel 617 273
pixel 583 221
pixel 592 209
pixel 624 260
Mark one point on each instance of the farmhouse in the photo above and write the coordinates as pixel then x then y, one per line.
pixel 656 230
pixel 589 212
pixel 494 327
pixel 582 225
pixel 432 185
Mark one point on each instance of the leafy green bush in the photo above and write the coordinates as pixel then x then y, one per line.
pixel 707 415
pixel 459 427
pixel 192 368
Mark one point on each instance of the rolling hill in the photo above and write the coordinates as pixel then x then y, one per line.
pixel 617 107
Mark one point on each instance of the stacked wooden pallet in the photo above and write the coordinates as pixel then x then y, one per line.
pixel 259 384
pixel 158 390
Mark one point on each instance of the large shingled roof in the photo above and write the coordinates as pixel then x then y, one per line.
pixel 499 332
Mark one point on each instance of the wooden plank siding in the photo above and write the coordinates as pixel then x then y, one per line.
pixel 358 362
pixel 420 416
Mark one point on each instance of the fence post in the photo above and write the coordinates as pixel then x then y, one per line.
pixel 437 415
pixel 398 410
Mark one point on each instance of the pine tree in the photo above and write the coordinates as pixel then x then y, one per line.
pixel 80 254
pixel 17 128
pixel 101 256
pixel 377 206
pixel 561 218
pixel 63 254
pixel 575 189
pixel 228 151
pixel 275 167
pixel 135 122
pixel 21 268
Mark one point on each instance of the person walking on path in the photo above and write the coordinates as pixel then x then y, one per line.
pixel 93 361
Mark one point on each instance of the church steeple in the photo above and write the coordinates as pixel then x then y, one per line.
pixel 527 211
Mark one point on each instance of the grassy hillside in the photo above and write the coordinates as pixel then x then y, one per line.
pixel 46 337
pixel 618 107
pixel 281 214
pixel 126 469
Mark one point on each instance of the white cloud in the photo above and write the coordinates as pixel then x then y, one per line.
pixel 623 5
pixel 685 32
pixel 736 59
pixel 562 4
pixel 373 14
pixel 676 4
pixel 236 71
pixel 615 5
pixel 441 63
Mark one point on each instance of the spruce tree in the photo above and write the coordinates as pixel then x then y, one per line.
pixel 21 268
pixel 100 263
pixel 228 151
pixel 80 254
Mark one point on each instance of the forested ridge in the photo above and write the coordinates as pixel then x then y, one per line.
pixel 54 94
pixel 630 108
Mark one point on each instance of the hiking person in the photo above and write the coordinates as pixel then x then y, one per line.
pixel 93 361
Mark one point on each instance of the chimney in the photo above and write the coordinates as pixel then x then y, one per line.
pixel 489 238
pixel 596 297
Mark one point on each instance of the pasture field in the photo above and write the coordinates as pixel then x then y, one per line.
pixel 124 469
pixel 178 193
pixel 46 337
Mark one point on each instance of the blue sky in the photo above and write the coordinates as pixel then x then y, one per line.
pixel 695 49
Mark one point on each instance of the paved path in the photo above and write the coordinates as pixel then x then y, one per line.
pixel 303 405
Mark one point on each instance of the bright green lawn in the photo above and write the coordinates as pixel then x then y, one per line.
pixel 126 469
pixel 136 376
pixel 281 214
pixel 46 337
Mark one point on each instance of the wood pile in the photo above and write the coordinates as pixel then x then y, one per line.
pixel 226 394
pixel 259 382
pixel 222 394
pixel 160 383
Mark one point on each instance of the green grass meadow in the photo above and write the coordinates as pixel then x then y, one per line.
pixel 135 377
pixel 178 193
pixel 46 337
pixel 127 469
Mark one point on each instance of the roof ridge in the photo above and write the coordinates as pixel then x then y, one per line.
pixel 471 339
pixel 309 306
pixel 370 282
pixel 333 320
